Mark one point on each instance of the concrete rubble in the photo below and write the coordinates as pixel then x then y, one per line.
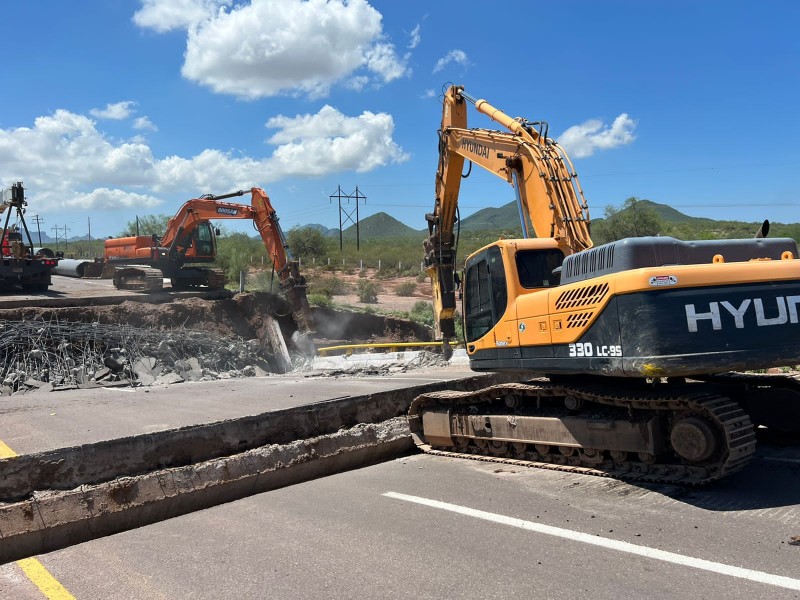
pixel 40 356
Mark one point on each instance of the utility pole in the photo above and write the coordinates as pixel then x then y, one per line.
pixel 55 229
pixel 66 229
pixel 348 215
pixel 38 220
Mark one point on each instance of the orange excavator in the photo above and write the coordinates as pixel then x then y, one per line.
pixel 642 359
pixel 142 262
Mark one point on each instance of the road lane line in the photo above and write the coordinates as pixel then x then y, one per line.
pixel 620 546
pixel 33 569
pixel 5 451
pixel 41 577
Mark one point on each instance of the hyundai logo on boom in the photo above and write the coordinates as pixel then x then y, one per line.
pixel 475 148
pixel 223 210
pixel 752 311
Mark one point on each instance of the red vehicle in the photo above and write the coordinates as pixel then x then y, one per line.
pixel 21 266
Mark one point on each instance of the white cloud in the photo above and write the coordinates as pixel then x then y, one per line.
pixel 454 56
pixel 166 15
pixel 414 37
pixel 582 140
pixel 144 124
pixel 330 141
pixel 275 47
pixel 357 83
pixel 104 198
pixel 68 164
pixel 117 111
pixel 381 60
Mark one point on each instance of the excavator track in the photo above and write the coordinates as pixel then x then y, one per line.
pixel 216 279
pixel 140 279
pixel 674 419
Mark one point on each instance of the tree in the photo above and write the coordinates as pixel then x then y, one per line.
pixel 306 242
pixel 147 225
pixel 634 219
pixel 235 252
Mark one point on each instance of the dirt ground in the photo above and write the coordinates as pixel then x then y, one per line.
pixel 388 299
pixel 240 316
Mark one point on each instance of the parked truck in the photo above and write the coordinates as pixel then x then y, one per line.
pixel 21 266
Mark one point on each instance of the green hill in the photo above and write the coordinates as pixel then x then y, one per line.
pixel 380 226
pixel 500 219
pixel 670 215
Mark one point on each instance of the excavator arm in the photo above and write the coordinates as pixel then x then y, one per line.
pixel 287 266
pixel 549 197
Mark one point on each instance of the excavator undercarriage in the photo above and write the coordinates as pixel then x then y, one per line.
pixel 690 433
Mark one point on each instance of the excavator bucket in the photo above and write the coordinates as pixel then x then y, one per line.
pixel 294 288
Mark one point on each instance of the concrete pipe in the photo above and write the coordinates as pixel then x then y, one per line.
pixel 70 267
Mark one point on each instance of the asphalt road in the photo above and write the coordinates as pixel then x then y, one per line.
pixel 430 527
pixel 36 422
pixel 65 287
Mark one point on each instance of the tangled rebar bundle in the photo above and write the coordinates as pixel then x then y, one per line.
pixel 38 352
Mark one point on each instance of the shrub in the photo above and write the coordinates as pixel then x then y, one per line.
pixel 331 286
pixel 422 277
pixel 320 300
pixel 265 281
pixel 368 291
pixel 387 273
pixel 407 288
pixel 422 312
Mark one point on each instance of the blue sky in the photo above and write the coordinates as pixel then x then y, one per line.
pixel 118 108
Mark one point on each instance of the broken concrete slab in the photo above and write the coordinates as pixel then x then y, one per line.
pixel 168 379
pixel 93 462
pixel 51 520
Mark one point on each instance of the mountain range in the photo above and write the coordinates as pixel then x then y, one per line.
pixel 503 220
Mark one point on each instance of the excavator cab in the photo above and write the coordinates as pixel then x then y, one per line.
pixel 503 270
pixel 203 243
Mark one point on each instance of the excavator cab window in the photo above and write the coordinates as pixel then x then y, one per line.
pixel 204 240
pixel 485 296
pixel 535 267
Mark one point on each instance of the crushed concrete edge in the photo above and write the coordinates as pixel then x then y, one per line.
pixel 54 520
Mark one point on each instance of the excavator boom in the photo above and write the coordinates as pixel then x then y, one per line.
pixel 549 197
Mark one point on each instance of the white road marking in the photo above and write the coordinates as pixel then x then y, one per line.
pixel 585 538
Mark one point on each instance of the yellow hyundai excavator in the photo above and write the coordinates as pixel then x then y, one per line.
pixel 630 355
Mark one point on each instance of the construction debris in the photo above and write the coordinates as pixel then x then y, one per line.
pixel 39 355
